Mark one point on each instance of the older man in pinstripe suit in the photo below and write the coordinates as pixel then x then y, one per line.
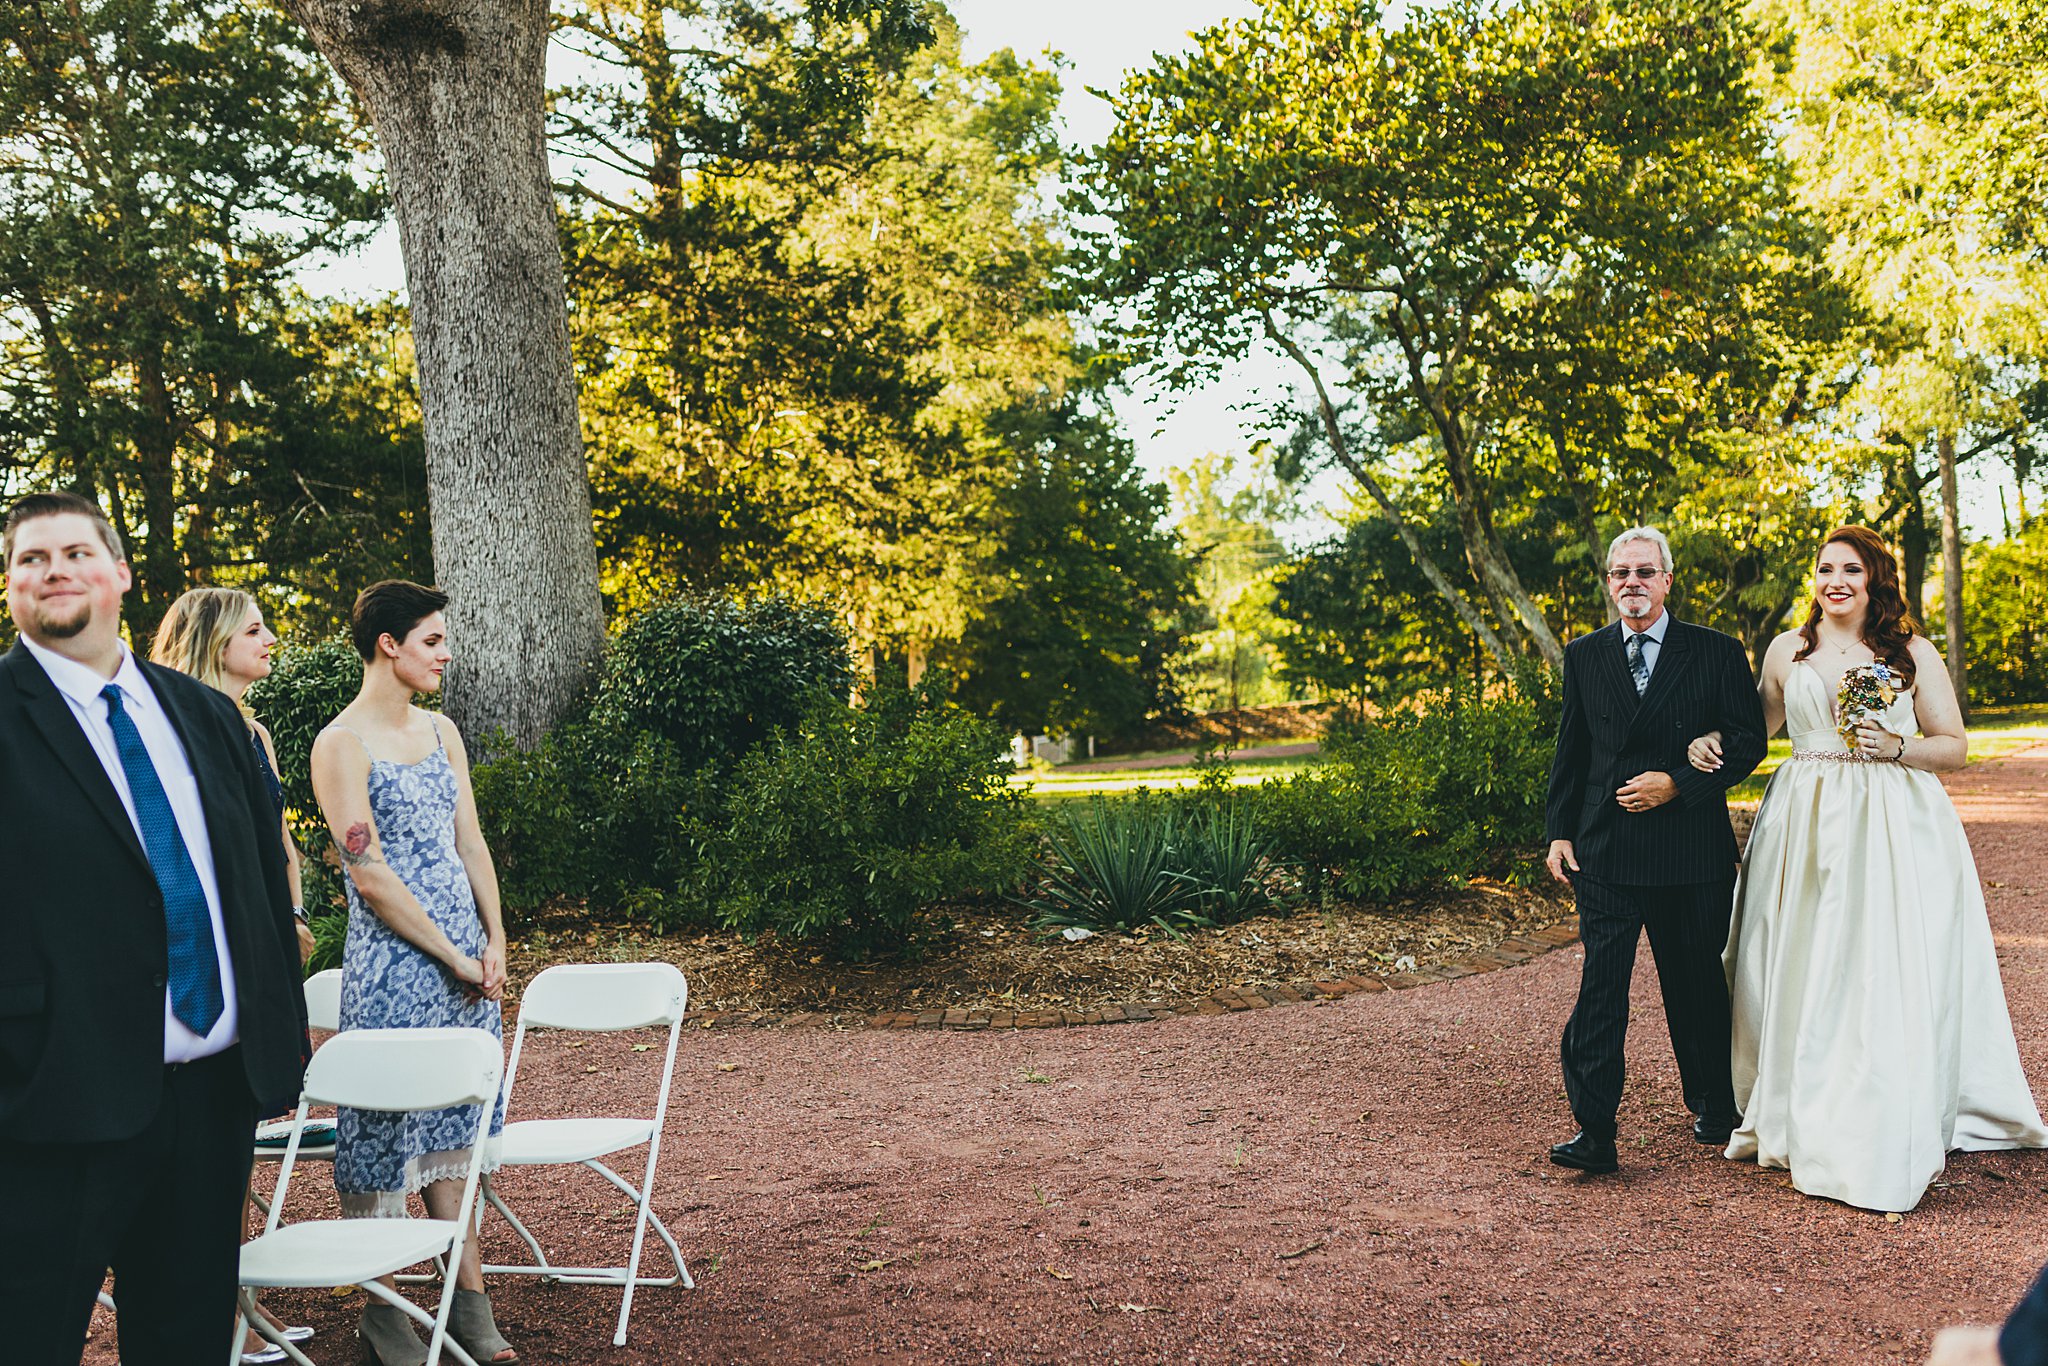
pixel 1644 840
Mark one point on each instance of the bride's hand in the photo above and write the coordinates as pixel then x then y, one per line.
pixel 1704 753
pixel 1875 742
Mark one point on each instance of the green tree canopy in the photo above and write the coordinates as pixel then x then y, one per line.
pixel 814 267
pixel 1091 591
pixel 1491 235
pixel 169 164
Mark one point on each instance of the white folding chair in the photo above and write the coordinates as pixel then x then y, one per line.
pixel 389 1070
pixel 323 1012
pixel 596 998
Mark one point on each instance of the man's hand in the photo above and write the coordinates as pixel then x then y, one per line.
pixel 1646 791
pixel 1561 857
pixel 1970 1346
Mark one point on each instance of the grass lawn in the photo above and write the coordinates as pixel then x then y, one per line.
pixel 1057 785
pixel 1993 732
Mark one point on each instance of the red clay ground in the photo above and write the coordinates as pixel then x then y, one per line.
pixel 1361 1181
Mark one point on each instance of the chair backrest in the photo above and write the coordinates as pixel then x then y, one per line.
pixel 601 997
pixel 323 1000
pixel 405 1069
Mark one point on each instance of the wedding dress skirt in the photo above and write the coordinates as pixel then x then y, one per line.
pixel 1870 1029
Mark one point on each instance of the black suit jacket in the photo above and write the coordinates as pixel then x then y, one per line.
pixel 83 956
pixel 2024 1339
pixel 1608 735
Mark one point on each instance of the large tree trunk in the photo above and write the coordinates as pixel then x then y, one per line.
pixel 455 89
pixel 1952 571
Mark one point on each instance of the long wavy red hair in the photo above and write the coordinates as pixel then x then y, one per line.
pixel 1888 627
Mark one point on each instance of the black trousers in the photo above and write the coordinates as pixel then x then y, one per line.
pixel 163 1209
pixel 1688 927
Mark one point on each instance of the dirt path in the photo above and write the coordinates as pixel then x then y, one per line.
pixel 1358 1182
pixel 1289 750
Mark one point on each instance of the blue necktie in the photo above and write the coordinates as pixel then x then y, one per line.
pixel 1638 667
pixel 194 969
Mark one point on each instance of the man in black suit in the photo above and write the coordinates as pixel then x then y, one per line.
pixel 1643 838
pixel 149 976
pixel 2021 1341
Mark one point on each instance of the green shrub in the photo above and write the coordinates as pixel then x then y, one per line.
pixel 1453 789
pixel 846 827
pixel 588 812
pixel 1112 867
pixel 1348 826
pixel 330 936
pixel 715 676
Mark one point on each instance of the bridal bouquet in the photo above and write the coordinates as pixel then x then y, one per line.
pixel 1867 691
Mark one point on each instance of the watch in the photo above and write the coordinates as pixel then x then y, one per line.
pixel 299 914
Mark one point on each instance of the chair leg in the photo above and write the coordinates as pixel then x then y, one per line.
pixel 661 1229
pixel 497 1203
pixel 248 1319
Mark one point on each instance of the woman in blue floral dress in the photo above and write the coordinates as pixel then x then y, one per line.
pixel 426 944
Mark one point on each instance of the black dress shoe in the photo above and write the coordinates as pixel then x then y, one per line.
pixel 1586 1153
pixel 1714 1131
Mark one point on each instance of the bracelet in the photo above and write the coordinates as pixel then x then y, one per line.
pixel 1900 757
pixel 299 914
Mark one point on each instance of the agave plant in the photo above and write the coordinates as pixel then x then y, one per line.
pixel 1223 852
pixel 1112 868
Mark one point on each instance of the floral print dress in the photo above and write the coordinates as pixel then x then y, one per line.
pixel 386 983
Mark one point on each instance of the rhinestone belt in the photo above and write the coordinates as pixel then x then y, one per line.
pixel 1835 756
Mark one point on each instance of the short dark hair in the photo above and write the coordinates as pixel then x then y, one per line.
pixel 57 504
pixel 390 607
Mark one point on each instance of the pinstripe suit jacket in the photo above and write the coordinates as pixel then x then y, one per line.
pixel 1608 735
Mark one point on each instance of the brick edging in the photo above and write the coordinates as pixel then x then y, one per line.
pixel 1508 952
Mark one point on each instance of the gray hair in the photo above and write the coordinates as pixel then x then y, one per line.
pixel 1642 533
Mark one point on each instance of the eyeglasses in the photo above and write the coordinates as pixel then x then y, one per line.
pixel 1645 572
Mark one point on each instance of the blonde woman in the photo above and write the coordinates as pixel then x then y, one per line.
pixel 217 636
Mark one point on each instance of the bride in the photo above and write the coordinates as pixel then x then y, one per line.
pixel 1870 1028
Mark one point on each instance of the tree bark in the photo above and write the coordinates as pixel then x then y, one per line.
pixel 1913 539
pixel 455 90
pixel 1952 571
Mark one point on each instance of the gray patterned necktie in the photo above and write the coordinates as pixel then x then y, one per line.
pixel 1638 667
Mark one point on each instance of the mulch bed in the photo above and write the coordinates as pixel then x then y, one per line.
pixel 992 961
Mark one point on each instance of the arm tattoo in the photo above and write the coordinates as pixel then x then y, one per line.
pixel 355 846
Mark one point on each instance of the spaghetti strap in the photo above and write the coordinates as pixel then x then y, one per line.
pixel 336 725
pixel 440 745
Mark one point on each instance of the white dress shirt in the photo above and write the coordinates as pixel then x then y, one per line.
pixel 80 687
pixel 1653 641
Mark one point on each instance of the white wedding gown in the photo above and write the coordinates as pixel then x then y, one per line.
pixel 1870 1028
